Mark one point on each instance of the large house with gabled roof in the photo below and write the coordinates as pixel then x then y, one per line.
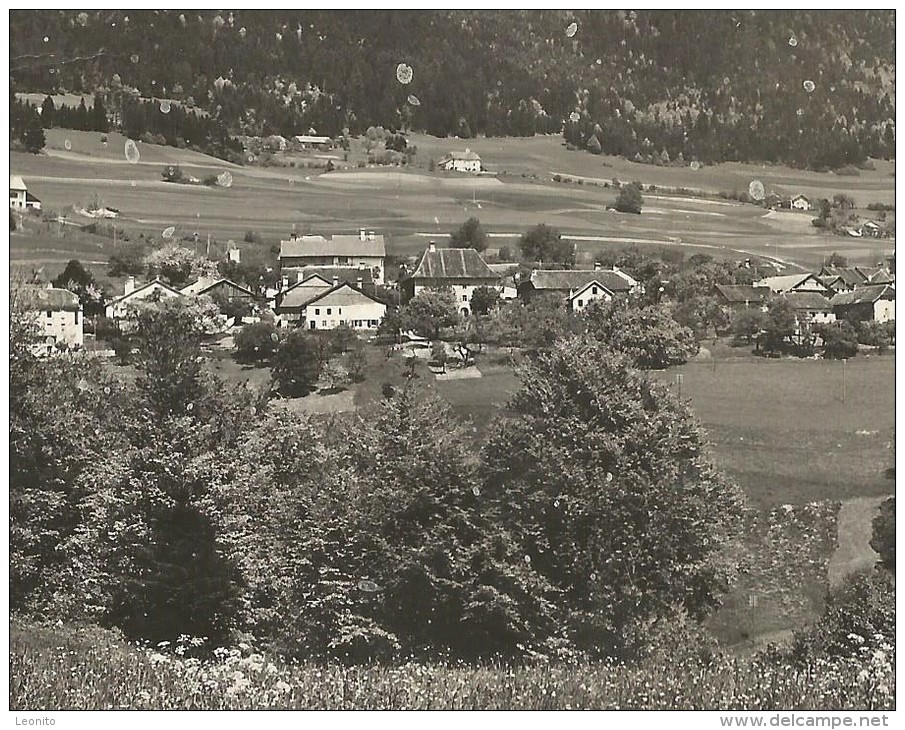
pixel 316 304
pixel 578 287
pixel 462 270
pixel 367 250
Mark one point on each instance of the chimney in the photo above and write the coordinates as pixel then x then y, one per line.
pixel 300 276
pixel 358 282
pixel 293 235
pixel 335 280
pixel 130 285
pixel 285 282
pixel 361 267
pixel 432 247
pixel 596 266
pixel 362 234
pixel 234 254
pixel 370 235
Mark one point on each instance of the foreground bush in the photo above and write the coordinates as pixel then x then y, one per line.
pixel 59 669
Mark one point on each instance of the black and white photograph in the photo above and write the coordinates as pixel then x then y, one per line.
pixel 452 359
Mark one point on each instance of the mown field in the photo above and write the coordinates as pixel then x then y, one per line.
pixel 67 669
pixel 411 205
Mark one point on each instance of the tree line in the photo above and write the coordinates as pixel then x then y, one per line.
pixel 641 84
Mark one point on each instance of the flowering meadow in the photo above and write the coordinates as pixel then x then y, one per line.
pixel 67 669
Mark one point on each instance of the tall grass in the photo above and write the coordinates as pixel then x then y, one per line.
pixel 60 670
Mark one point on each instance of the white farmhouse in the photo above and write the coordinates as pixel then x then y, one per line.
pixel 466 161
pixel 461 270
pixel 19 197
pixel 58 316
pixel 367 250
pixel 154 290
pixel 800 202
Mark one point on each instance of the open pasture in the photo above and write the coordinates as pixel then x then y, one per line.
pixel 412 205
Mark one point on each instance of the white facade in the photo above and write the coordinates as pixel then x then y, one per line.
pixel 118 308
pixel 885 310
pixel 588 294
pixel 467 161
pixel 462 293
pixel 800 202
pixel 17 192
pixel 343 305
pixel 57 315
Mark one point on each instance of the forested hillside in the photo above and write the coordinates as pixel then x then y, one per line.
pixel 810 88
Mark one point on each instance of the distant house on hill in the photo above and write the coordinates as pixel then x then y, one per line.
pixel 800 202
pixel 460 269
pixel 569 282
pixel 58 316
pixel 312 141
pixel 793 282
pixel 367 250
pixel 841 278
pixel 19 197
pixel 866 304
pixel 873 229
pixel 154 290
pixel 466 161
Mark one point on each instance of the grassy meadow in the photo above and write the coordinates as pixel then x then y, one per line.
pixel 411 205
pixel 68 669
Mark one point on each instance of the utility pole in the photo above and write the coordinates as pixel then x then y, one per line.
pixel 844 360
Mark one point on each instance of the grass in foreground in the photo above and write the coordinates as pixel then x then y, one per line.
pixel 66 669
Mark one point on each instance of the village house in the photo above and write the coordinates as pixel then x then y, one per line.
pixel 866 304
pixel 317 304
pixel 800 202
pixel 58 316
pixel 19 197
pixel 793 282
pixel 154 290
pixel 366 250
pixel 222 291
pixel 578 286
pixel 461 270
pixel 312 141
pixel 810 307
pixel 738 297
pixel 466 161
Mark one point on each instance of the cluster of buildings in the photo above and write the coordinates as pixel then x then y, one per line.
pixel 856 294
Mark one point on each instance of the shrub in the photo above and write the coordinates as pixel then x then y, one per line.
pixel 253 237
pixel 297 363
pixel 256 342
pixel 883 540
pixel 630 200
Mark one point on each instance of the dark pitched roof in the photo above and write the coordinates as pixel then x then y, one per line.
pixel 203 286
pixel 863 295
pixel 452 263
pixel 875 275
pixel 38 298
pixel 351 294
pixel 809 300
pixel 851 276
pixel 350 274
pixel 567 280
pixel 466 155
pixel 741 293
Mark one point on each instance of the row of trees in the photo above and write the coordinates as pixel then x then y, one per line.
pixel 177 505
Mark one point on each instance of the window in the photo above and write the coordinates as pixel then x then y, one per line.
pixel 317 310
pixel 312 325
pixel 76 317
pixel 49 314
pixel 339 311
pixel 324 324
pixel 580 304
pixel 464 297
pixel 329 310
pixel 593 290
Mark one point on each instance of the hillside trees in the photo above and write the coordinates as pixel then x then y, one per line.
pixel 298 362
pixel 608 485
pixel 380 543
